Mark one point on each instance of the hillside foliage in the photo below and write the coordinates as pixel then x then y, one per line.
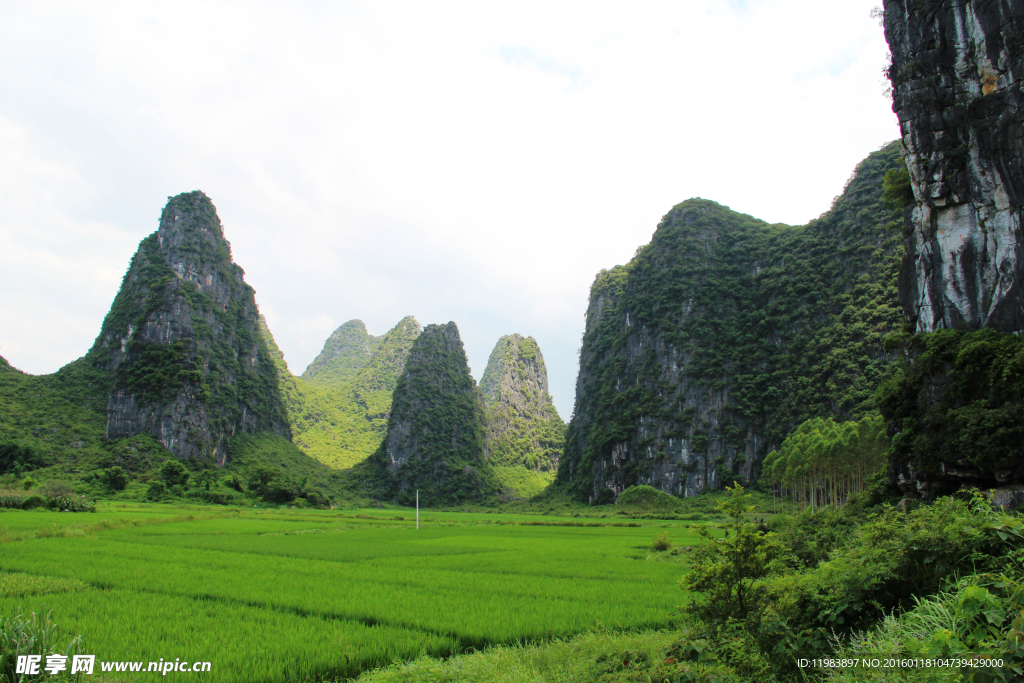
pixel 346 351
pixel 725 333
pixel 958 400
pixel 341 423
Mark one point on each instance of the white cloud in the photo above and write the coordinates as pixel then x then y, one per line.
pixel 467 161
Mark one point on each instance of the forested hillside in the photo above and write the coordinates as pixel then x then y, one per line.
pixel 725 333
pixel 345 352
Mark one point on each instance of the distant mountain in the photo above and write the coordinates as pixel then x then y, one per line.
pixel 341 423
pixel 435 439
pixel 345 352
pixel 523 427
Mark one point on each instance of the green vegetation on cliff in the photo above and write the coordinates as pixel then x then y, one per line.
pixel 523 427
pixel 435 441
pixel 58 419
pixel 725 333
pixel 955 410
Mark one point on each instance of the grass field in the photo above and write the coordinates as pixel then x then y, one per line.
pixel 293 595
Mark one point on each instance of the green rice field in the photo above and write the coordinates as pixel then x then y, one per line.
pixel 297 595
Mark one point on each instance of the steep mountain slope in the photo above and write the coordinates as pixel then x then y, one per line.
pixel 956 412
pixel 523 427
pixel 182 342
pixel 341 424
pixel 345 352
pixel 435 437
pixel 956 74
pixel 725 332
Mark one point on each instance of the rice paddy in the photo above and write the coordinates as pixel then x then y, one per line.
pixel 281 595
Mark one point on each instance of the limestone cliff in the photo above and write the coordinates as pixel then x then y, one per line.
pixel 955 411
pixel 725 333
pixel 956 74
pixel 523 427
pixel 346 351
pixel 435 433
pixel 182 342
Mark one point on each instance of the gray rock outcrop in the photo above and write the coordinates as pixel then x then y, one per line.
pixel 956 73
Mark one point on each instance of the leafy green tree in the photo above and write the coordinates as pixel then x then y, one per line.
pixel 726 572
pixel 174 473
pixel 232 482
pixel 116 478
pixel 260 478
pixel 206 478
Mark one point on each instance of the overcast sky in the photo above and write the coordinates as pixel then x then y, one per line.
pixel 469 161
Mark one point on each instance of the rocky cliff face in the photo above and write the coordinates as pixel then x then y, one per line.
pixel 955 411
pixel 956 74
pixel 523 427
pixel 435 433
pixel 725 333
pixel 182 341
pixel 346 351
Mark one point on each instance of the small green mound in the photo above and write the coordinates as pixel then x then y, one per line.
pixel 645 497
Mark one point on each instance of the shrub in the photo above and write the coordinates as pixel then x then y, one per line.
pixel 662 542
pixel 56 487
pixel 12 500
pixel 71 503
pixel 279 492
pixel 212 497
pixel 174 473
pixel 33 501
pixel 156 490
pixel 605 496
pixel 232 482
pixel 728 572
pixel 318 499
pixel 29 484
pixel 116 478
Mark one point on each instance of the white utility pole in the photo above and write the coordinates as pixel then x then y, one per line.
pixel 417 509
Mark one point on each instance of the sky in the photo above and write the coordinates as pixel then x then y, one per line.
pixel 478 162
